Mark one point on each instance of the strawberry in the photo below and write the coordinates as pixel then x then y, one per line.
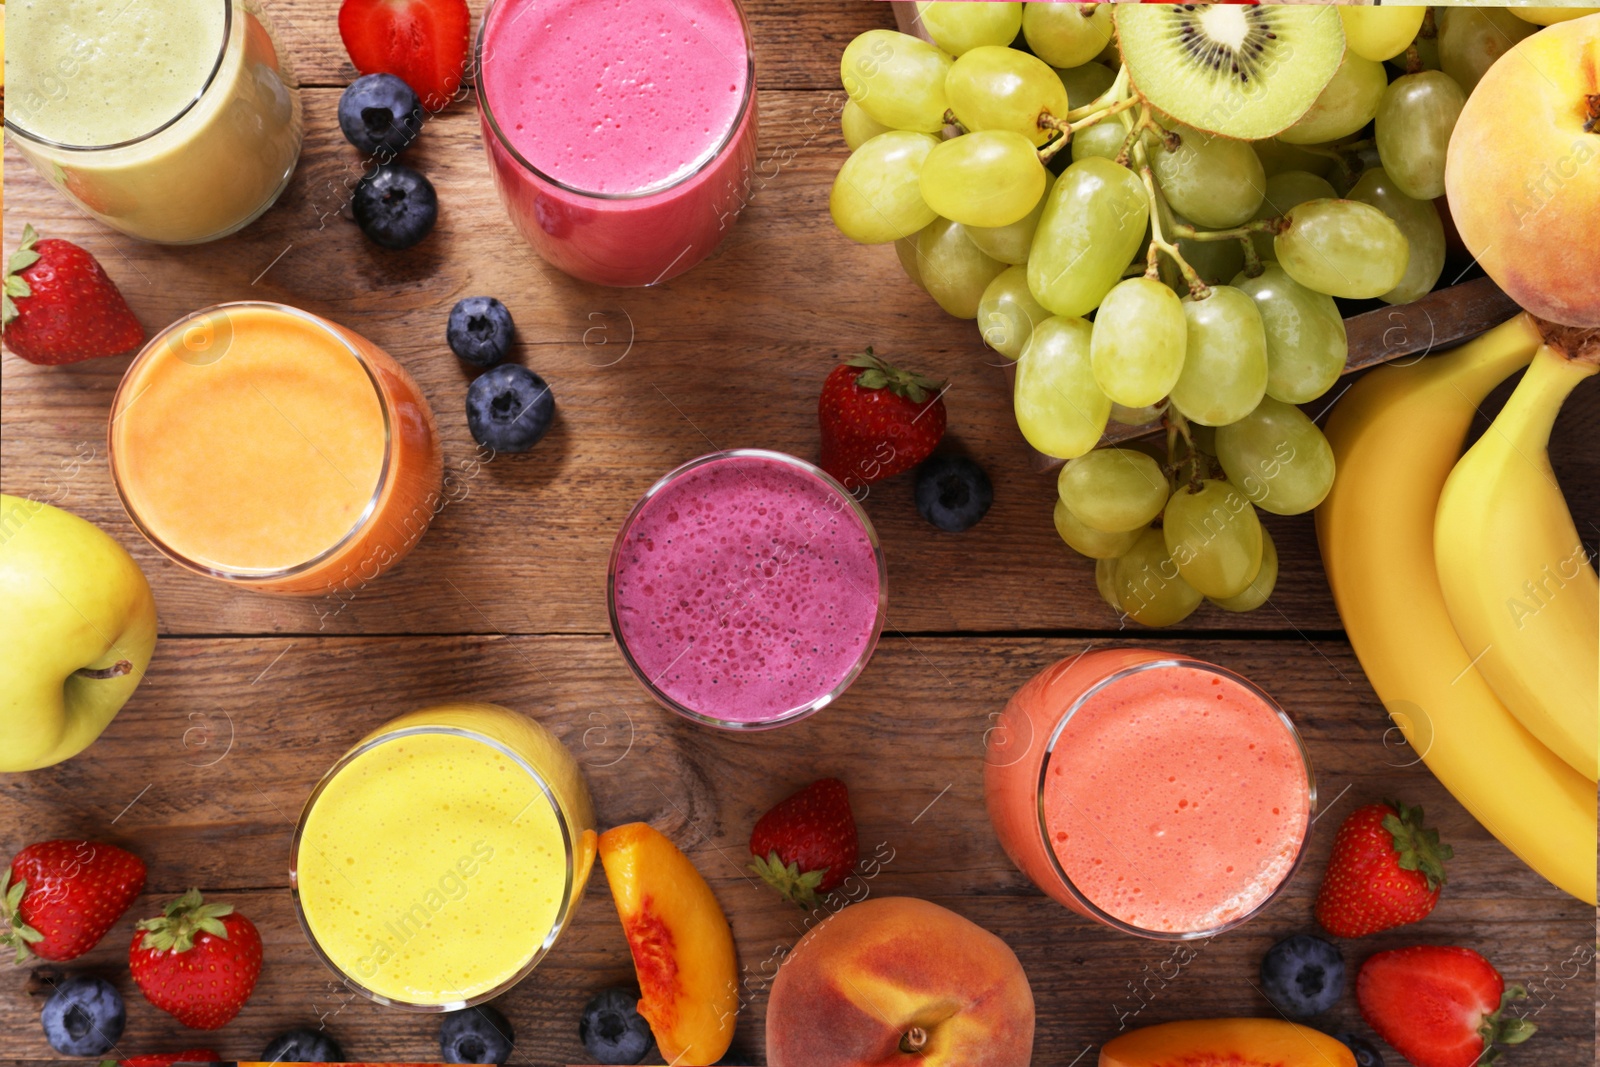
pixel 1439 1006
pixel 60 307
pixel 198 962
pixel 877 421
pixel 166 1059
pixel 421 42
pixel 60 897
pixel 807 843
pixel 1386 870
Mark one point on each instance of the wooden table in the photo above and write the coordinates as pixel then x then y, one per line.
pixel 249 699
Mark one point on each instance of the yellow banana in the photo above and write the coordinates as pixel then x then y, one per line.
pixel 1516 579
pixel 1396 435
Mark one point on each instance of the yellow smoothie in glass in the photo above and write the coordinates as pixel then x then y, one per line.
pixel 438 861
pixel 172 121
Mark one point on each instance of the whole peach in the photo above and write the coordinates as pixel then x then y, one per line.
pixel 1523 172
pixel 895 980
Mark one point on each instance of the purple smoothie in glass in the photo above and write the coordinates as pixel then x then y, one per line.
pixel 747 589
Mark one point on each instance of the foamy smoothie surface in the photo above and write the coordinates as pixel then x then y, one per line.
pixel 615 96
pixel 746 588
pixel 100 72
pixel 431 868
pixel 1176 800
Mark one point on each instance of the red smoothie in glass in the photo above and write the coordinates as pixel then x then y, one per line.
pixel 1161 795
pixel 621 133
pixel 747 589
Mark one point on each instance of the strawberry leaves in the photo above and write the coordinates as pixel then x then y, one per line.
pixel 1417 847
pixel 16 286
pixel 182 921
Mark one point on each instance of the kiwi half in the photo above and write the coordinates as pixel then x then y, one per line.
pixel 1240 71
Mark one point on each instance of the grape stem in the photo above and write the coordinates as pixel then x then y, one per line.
pixel 1178 427
pixel 1252 259
pixel 1413 59
pixel 1243 231
pixel 1117 93
pixel 1048 121
pixel 951 120
pixel 1341 154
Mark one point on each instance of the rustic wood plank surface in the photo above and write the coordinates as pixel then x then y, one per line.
pixel 205 772
pixel 251 698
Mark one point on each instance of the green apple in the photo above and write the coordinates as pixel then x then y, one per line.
pixel 76 634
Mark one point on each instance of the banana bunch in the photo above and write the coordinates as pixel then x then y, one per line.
pixel 1397 436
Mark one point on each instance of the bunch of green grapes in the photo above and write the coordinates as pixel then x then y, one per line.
pixel 1139 270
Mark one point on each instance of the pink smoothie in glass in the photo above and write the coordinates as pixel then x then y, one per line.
pixel 1175 798
pixel 746 589
pixel 621 133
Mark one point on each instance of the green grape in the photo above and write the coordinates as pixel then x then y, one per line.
pixel 985 178
pixel 1277 157
pixel 1260 588
pixel 1105 579
pixel 1086 83
pixel 1059 408
pixel 897 79
pixel 1007 313
pixel 1093 223
pixel 1278 458
pixel 1225 358
pixel 1285 191
pixel 1381 33
pixel 1010 243
pixel 1137 416
pixel 906 249
pixel 954 271
pixel 1306 343
pixel 1066 35
pixel 1419 220
pixel 877 195
pixel 1415 120
pixel 1471 39
pixel 961 27
pixel 1214 536
pixel 1214 261
pixel 1215 181
pixel 1347 103
pixel 1104 139
pixel 1086 540
pixel 993 88
pixel 1342 248
pixel 1149 586
pixel 1138 342
pixel 1114 490
pixel 859 127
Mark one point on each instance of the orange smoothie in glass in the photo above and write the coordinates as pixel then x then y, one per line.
pixel 270 448
pixel 1159 795
pixel 442 856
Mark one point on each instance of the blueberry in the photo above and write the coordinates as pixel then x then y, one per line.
pixel 1303 975
pixel 83 1017
pixel 303 1046
pixel 479 330
pixel 613 1030
pixel 509 408
pixel 380 114
pixel 952 492
pixel 395 206
pixel 476 1035
pixel 1366 1053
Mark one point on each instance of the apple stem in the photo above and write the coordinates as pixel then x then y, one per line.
pixel 1594 113
pixel 116 670
pixel 913 1040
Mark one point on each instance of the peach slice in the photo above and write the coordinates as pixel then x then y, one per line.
pixel 682 947
pixel 1226 1043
